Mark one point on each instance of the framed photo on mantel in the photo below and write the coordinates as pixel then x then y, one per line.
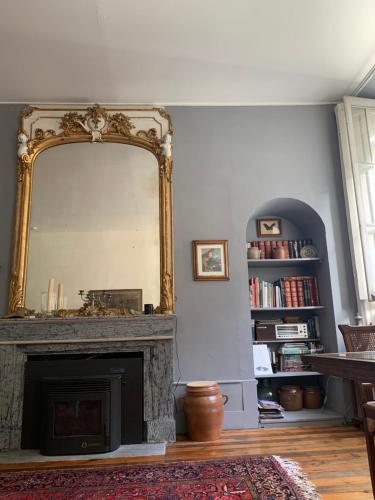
pixel 210 260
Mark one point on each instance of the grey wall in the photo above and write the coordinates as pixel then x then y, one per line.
pixel 228 162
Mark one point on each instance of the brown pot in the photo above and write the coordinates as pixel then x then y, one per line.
pixel 312 397
pixel 291 397
pixel 204 410
pixel 278 253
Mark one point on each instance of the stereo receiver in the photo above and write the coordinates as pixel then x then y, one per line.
pixel 281 331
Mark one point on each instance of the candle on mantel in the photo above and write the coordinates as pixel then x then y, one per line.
pixel 51 286
pixel 60 296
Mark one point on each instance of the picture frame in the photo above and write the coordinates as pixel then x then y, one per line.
pixel 130 298
pixel 210 260
pixel 269 226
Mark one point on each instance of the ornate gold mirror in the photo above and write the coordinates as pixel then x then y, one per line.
pixel 93 204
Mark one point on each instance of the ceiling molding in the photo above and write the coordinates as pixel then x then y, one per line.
pixel 364 81
pixel 164 104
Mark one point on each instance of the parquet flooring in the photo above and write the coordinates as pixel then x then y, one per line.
pixel 334 458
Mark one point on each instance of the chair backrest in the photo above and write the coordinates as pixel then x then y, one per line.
pixel 358 338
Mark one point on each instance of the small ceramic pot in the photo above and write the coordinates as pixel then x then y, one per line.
pixel 253 253
pixel 278 253
pixel 291 397
pixel 312 397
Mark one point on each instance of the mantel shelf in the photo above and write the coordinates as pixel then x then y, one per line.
pixel 282 262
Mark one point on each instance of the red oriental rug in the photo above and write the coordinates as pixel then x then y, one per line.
pixel 245 478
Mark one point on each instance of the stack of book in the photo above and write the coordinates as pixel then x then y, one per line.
pixel 290 355
pixel 269 410
pixel 292 248
pixel 288 291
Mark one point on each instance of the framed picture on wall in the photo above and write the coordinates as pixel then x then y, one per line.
pixel 268 227
pixel 210 260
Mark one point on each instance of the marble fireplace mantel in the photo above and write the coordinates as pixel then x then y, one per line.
pixel 151 335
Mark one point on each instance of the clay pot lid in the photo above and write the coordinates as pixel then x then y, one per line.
pixel 202 383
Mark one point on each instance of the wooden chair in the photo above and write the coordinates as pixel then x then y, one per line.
pixel 357 339
pixel 362 338
pixel 369 428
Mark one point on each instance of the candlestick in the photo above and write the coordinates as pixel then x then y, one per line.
pixel 51 286
pixel 60 296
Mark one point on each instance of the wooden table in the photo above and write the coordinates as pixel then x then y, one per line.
pixel 357 366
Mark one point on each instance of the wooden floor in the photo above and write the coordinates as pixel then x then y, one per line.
pixel 334 458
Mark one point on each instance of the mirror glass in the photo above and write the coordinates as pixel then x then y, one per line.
pixel 94 222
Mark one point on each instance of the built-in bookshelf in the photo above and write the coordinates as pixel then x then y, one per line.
pixel 287 289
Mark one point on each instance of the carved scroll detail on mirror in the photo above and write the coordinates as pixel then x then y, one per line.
pixel 46 126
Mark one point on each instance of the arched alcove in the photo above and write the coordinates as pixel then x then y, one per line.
pixel 299 221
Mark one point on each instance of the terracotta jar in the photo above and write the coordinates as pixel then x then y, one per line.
pixel 291 397
pixel 278 253
pixel 204 410
pixel 312 397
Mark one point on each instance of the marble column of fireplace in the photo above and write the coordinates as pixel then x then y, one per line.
pixel 151 335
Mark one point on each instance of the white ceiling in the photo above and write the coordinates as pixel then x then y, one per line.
pixel 184 51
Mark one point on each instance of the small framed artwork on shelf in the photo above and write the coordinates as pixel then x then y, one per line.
pixel 268 227
pixel 210 260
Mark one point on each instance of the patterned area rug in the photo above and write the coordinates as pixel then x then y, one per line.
pixel 245 478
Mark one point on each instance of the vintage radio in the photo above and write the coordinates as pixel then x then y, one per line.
pixel 281 331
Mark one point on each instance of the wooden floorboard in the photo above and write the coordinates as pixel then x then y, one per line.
pixel 334 458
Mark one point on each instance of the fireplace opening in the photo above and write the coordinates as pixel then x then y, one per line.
pixel 127 367
pixel 80 415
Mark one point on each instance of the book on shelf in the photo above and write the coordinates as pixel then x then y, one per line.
pixel 292 248
pixel 300 348
pixel 288 291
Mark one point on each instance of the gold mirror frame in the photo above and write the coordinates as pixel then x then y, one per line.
pixel 47 126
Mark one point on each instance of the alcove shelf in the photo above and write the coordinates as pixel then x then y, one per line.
pixel 289 374
pixel 270 309
pixel 299 222
pixel 281 262
pixel 304 417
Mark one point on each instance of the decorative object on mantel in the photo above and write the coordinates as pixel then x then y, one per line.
pixel 45 126
pixel 88 310
pixel 149 309
pixel 246 478
pixel 21 312
pixel 210 260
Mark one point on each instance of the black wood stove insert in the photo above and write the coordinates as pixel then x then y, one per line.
pixel 82 403
pixel 81 415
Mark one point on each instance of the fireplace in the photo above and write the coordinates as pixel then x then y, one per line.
pixel 128 367
pixel 21 341
pixel 80 415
